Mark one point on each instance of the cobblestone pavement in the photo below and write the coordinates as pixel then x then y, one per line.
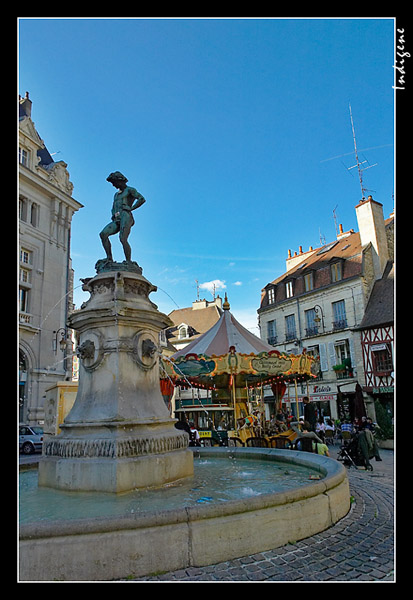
pixel 358 548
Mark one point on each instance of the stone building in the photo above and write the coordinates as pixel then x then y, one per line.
pixel 189 324
pixel 319 303
pixel 45 281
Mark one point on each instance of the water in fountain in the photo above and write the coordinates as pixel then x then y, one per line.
pixel 216 480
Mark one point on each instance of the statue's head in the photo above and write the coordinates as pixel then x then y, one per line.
pixel 116 177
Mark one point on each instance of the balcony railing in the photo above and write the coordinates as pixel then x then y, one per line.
pixel 310 331
pixel 290 335
pixel 339 324
pixel 25 318
pixel 272 340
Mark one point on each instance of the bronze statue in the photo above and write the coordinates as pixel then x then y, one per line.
pixel 122 218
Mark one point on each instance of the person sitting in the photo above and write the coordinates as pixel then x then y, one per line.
pixel 321 449
pixel 305 432
pixel 320 428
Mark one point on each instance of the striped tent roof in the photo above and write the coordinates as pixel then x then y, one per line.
pixel 225 333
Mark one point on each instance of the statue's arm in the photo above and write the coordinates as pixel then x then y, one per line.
pixel 139 199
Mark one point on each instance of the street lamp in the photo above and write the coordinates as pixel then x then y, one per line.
pixel 63 339
pixel 317 319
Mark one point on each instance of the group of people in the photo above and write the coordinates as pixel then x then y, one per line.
pixel 308 427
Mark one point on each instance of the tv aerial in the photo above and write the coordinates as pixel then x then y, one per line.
pixel 359 163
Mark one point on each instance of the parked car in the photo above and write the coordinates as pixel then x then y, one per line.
pixel 30 439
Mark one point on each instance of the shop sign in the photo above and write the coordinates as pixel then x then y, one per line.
pixel 321 389
pixel 383 390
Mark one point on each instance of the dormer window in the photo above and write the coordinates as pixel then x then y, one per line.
pixel 289 292
pixel 183 332
pixel 309 281
pixel 271 295
pixel 336 271
pixel 23 157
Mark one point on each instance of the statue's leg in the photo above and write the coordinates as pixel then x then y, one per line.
pixel 125 226
pixel 110 229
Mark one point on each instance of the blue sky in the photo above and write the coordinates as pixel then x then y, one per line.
pixel 228 127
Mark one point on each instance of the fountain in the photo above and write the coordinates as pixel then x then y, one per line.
pixel 119 440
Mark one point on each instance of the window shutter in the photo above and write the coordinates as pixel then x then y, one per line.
pixel 323 357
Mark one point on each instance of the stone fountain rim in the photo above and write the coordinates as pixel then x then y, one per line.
pixel 334 474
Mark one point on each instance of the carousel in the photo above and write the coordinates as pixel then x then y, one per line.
pixel 233 365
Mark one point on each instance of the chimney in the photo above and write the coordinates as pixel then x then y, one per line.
pixel 26 105
pixel 372 230
pixel 342 234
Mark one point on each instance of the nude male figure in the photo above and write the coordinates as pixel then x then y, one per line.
pixel 122 218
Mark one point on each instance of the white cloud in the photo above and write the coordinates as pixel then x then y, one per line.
pixel 216 285
pixel 238 283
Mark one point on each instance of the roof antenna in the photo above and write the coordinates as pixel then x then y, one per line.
pixel 197 289
pixel 322 237
pixel 335 218
pixel 358 163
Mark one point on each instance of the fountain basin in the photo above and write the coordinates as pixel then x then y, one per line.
pixel 106 548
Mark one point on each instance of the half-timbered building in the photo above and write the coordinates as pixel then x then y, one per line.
pixel 377 340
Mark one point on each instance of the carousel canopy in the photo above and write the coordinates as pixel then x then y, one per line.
pixel 229 349
pixel 225 333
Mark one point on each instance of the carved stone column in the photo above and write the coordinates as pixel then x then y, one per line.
pixel 118 435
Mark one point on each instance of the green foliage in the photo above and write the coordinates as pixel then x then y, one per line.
pixel 385 428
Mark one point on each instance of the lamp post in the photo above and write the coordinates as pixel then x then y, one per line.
pixel 317 319
pixel 63 339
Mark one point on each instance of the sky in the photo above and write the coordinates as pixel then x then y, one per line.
pixel 236 131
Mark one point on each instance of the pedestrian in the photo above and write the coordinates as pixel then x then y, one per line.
pixel 310 413
pixel 193 436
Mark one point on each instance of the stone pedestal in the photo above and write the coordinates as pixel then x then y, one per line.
pixel 119 435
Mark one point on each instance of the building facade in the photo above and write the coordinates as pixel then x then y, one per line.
pixel 45 280
pixel 318 306
pixel 377 341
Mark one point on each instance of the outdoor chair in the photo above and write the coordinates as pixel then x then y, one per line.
pixel 345 437
pixel 329 436
pixel 257 442
pixel 279 442
pixel 235 441
pixel 306 444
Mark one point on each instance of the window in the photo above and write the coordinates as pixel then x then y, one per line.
pixel 336 271
pixel 183 332
pixel 289 289
pixel 24 275
pixel 290 328
pixel 310 323
pixel 342 350
pixel 382 358
pixel 315 352
pixel 344 367
pixel 327 248
pixel 308 282
pixel 339 315
pixel 34 214
pixel 25 256
pixel 271 333
pixel 23 300
pixel 271 295
pixel 23 209
pixel 23 157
